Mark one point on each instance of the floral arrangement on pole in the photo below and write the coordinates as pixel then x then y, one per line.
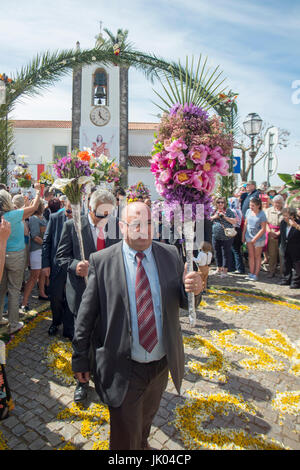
pixel 73 173
pixel 292 183
pixel 103 168
pixel 137 192
pixel 22 173
pixel 189 151
pixel 191 148
pixel 46 178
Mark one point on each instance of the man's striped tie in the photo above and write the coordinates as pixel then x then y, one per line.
pixel 144 307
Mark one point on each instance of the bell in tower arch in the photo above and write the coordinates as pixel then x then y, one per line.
pixel 100 94
pixel 100 87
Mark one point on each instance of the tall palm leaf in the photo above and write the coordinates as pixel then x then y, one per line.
pixel 201 87
pixel 46 69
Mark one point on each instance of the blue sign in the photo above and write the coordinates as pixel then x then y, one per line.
pixel 236 164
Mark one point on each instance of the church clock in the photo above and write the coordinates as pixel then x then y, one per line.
pixel 100 115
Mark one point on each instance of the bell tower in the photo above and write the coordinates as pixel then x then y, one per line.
pixel 100 110
pixel 96 108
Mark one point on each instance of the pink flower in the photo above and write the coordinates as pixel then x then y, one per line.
pixel 199 154
pixel 215 154
pixel 297 176
pixel 181 158
pixel 221 166
pixel 204 181
pixel 197 180
pixel 176 145
pixel 159 187
pixel 184 177
pixel 169 162
pixel 165 176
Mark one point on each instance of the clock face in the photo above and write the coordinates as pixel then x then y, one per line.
pixel 100 115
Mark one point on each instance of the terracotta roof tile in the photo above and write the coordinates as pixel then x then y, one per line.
pixel 39 124
pixel 47 124
pixel 142 125
pixel 139 161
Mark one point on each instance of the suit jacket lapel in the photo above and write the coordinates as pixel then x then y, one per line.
pixel 162 269
pixel 120 277
pixel 291 232
pixel 88 240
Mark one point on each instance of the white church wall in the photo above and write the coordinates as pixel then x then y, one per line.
pixel 140 142
pixel 39 144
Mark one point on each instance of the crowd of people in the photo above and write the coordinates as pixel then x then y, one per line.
pixel 123 317
pixel 258 227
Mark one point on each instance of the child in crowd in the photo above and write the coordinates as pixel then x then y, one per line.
pixel 203 261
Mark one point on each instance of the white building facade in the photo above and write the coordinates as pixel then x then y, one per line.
pixel 42 140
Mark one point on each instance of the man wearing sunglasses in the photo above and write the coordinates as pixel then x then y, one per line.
pixel 99 230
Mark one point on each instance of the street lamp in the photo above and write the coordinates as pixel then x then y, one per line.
pixel 252 126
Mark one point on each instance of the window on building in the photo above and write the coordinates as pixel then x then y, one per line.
pixel 59 151
pixel 100 88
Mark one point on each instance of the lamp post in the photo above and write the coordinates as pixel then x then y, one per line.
pixel 252 126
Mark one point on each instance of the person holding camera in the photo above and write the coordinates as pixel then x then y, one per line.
pixel 289 243
pixel 223 221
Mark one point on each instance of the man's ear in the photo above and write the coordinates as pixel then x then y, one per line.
pixel 122 227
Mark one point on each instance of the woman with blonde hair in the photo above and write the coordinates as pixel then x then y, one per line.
pixel 15 257
pixel 223 221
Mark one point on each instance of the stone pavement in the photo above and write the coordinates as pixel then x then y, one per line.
pixel 235 365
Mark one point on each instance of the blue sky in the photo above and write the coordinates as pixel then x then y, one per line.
pixel 256 43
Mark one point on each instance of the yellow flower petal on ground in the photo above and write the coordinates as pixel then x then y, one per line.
pixel 197 409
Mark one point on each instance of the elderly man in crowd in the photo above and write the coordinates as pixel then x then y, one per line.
pixel 129 315
pixel 274 217
pixel 99 230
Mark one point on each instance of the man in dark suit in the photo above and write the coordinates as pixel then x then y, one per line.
pixel 289 248
pixel 99 230
pixel 61 313
pixel 129 315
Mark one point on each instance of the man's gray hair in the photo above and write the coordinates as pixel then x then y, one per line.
pixel 101 196
pixel 278 198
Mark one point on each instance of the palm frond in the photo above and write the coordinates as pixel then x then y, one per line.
pixel 45 69
pixel 189 87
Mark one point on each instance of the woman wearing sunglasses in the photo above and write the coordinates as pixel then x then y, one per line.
pixel 223 218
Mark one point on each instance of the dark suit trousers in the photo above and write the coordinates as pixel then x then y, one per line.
pixel 291 269
pixel 130 423
pixel 61 313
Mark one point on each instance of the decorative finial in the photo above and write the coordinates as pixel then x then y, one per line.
pixel 99 37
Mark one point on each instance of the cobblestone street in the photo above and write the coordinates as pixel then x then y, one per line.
pixel 242 365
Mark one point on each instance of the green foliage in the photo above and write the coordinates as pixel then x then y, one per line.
pixel 189 85
pixel 6 143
